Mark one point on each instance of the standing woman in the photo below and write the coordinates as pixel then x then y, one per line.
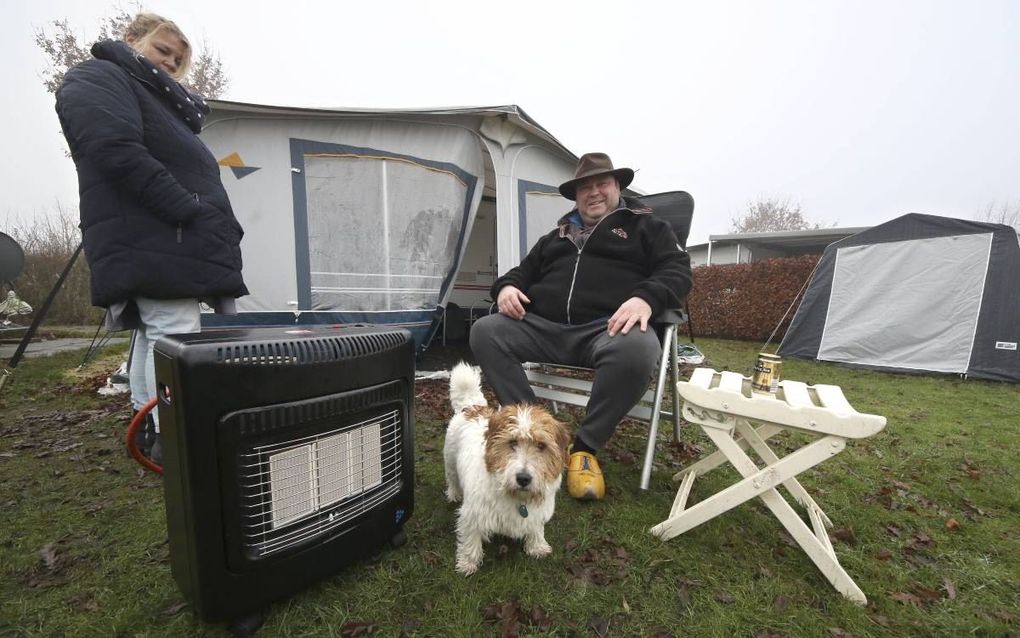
pixel 158 230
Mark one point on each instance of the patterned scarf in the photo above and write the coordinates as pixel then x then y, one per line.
pixel 191 108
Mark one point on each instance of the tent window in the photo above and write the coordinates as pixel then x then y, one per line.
pixel 539 207
pixel 889 305
pixel 382 231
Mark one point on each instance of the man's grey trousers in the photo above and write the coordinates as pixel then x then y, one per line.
pixel 623 364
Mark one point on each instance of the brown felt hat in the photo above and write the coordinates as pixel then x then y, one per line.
pixel 590 165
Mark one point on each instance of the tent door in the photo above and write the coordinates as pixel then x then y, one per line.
pixel 478 268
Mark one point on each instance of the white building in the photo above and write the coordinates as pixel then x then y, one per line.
pixel 742 248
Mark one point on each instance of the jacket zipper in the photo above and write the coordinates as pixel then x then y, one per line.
pixel 577 262
pixel 573 278
pixel 180 225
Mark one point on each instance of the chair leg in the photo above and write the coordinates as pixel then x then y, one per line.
pixel 690 322
pixel 653 426
pixel 674 357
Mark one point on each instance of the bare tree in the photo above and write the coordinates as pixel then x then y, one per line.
pixel 207 77
pixel 64 49
pixel 770 214
pixel 1007 213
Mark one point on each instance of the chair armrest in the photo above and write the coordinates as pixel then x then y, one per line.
pixel 670 316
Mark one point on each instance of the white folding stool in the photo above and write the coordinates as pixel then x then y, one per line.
pixel 723 404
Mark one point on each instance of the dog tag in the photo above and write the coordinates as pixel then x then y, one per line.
pixel 522 509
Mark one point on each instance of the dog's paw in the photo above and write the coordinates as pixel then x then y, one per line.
pixel 453 495
pixel 537 550
pixel 466 567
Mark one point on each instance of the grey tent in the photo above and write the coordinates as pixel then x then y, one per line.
pixel 919 293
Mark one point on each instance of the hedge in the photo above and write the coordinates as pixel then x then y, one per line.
pixel 747 301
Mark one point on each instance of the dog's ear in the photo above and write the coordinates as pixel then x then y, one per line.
pixel 496 435
pixel 563 439
pixel 478 411
pixel 498 420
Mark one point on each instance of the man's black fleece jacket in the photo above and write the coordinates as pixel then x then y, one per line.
pixel 630 253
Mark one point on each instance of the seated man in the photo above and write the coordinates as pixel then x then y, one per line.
pixel 575 299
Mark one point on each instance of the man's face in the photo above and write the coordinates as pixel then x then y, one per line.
pixel 597 196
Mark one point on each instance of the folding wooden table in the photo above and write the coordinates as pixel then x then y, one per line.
pixel 738 420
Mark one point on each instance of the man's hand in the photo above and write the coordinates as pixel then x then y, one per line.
pixel 510 302
pixel 634 310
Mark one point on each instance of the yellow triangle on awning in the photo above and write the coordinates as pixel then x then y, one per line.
pixel 231 160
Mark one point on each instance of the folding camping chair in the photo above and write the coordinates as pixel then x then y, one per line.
pixel 736 419
pixel 677 207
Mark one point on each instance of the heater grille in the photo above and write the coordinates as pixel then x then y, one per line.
pixel 299 489
pixel 315 350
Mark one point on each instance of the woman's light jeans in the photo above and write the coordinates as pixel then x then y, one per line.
pixel 158 317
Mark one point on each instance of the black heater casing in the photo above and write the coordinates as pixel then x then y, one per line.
pixel 228 395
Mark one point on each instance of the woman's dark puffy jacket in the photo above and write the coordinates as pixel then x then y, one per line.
pixel 155 219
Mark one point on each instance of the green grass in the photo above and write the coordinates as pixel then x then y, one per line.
pixel 925 519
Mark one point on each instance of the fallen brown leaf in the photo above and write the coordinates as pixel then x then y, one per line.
pixel 684 595
pixel 354 629
pixel 950 588
pixel 490 613
pixel 880 620
pixel 539 619
pixel 952 523
pixel 906 598
pixel 84 602
pixel 920 540
pixel 174 609
pixel 409 626
pixel 49 556
pixel 725 597
pixel 927 595
pixel 625 457
pixel 844 534
pixel 600 626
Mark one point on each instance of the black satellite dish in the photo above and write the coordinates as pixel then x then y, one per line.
pixel 12 258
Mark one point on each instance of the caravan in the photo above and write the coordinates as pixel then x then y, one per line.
pixel 381 216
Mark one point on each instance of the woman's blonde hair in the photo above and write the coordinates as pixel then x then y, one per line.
pixel 146 25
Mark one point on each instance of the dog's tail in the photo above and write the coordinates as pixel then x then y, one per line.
pixel 465 387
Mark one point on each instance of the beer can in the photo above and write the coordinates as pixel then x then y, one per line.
pixel 766 373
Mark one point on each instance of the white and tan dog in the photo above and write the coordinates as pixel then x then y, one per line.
pixel 505 465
